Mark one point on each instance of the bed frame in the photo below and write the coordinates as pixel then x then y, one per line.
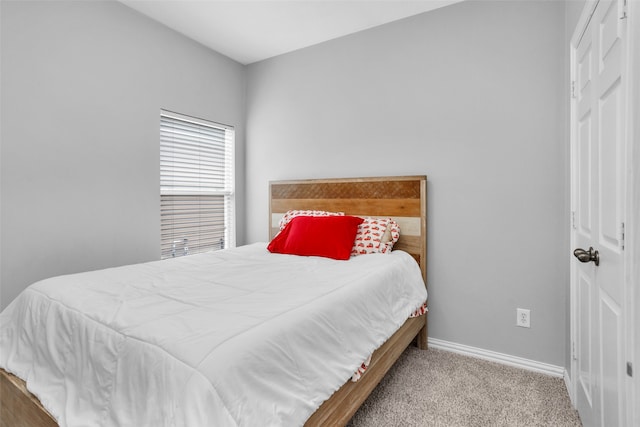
pixel 401 198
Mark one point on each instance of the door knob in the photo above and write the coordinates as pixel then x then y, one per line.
pixel 586 256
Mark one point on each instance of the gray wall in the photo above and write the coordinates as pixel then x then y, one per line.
pixel 82 88
pixel 472 96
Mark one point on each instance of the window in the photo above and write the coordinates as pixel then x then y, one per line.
pixel 196 185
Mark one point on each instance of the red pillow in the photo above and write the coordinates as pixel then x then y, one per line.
pixel 325 236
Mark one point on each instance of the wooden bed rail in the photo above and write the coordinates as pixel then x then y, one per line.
pixel 20 408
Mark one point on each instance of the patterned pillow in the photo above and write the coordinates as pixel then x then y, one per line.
pixel 375 235
pixel 294 213
pixel 394 230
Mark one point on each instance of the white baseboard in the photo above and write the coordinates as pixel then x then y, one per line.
pixel 506 359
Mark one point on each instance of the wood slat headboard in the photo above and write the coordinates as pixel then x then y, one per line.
pixel 403 198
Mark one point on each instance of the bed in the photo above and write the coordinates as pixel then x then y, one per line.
pixel 402 198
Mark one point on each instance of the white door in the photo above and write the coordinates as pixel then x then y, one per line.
pixel 598 207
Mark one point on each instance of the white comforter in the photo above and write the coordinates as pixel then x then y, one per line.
pixel 235 337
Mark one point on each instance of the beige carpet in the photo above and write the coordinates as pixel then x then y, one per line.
pixel 439 388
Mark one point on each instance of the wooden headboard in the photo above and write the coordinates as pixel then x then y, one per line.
pixel 403 198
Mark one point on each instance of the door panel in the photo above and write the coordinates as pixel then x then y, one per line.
pixel 609 149
pixel 584 72
pixel 611 356
pixel 583 83
pixel 609 35
pixel 584 177
pixel 585 372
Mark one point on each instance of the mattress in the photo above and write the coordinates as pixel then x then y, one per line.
pixel 240 337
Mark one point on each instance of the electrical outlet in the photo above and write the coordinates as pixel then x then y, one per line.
pixel 523 318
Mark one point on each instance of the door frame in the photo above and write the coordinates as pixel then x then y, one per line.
pixel 632 273
pixel 631 211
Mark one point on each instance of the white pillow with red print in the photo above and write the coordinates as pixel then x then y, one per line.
pixel 376 235
pixel 289 215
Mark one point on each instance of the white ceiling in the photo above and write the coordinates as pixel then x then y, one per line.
pixel 252 30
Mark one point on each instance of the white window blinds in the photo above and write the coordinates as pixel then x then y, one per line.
pixel 196 185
